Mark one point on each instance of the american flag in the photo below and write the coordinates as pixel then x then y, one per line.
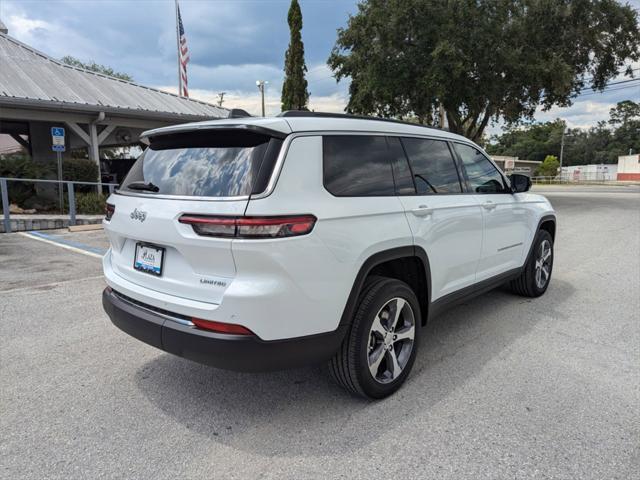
pixel 183 55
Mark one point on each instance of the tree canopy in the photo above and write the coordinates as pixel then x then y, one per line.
pixel 600 144
pixel 96 67
pixel 480 59
pixel 294 89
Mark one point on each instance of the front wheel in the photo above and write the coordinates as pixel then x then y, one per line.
pixel 377 354
pixel 535 277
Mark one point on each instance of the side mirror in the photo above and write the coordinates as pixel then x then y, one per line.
pixel 519 183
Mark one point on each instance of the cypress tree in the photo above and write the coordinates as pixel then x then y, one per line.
pixel 294 90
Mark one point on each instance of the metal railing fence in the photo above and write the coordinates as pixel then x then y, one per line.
pixel 586 178
pixel 4 194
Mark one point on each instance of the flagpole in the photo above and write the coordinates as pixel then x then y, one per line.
pixel 178 51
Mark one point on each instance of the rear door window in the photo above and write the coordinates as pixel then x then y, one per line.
pixel 433 167
pixel 201 164
pixel 357 166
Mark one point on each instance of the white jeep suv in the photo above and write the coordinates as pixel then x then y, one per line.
pixel 267 243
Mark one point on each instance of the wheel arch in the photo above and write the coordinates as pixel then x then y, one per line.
pixel 547 223
pixel 409 264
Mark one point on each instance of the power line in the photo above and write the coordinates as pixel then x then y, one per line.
pixel 612 83
pixel 619 72
pixel 331 77
pixel 607 90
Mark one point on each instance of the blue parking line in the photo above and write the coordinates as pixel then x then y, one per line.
pixel 70 243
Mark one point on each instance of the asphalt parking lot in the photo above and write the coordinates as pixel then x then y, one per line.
pixel 504 387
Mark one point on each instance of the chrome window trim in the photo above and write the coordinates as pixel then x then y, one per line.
pixel 181 197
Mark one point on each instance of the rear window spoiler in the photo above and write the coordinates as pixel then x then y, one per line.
pixel 182 129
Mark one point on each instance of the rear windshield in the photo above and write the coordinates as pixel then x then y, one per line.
pixel 203 164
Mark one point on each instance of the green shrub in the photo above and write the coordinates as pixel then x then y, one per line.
pixel 73 169
pixel 79 170
pixel 90 203
pixel 33 195
pixel 548 168
pixel 20 166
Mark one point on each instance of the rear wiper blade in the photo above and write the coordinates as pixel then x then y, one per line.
pixel 143 186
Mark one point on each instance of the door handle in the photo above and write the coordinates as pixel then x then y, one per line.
pixel 489 205
pixel 422 211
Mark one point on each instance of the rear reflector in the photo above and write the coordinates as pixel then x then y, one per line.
pixel 250 227
pixel 109 210
pixel 219 327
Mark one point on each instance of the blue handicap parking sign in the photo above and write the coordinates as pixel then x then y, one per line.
pixel 57 132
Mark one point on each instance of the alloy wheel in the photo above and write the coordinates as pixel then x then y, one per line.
pixel 543 264
pixel 391 340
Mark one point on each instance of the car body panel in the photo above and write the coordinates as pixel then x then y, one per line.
pixel 451 235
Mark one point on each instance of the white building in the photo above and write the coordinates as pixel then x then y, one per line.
pixel 629 167
pixel 515 165
pixel 592 172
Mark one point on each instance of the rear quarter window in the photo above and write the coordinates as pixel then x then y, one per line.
pixel 357 166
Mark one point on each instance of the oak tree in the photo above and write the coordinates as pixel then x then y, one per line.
pixel 480 59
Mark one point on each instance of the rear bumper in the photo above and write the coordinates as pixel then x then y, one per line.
pixel 231 352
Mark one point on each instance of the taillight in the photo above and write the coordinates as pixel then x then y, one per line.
pixel 250 227
pixel 219 327
pixel 109 210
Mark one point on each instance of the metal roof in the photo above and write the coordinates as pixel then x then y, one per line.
pixel 29 78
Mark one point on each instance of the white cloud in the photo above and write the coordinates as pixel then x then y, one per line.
pixel 52 38
pixel 335 103
pixel 582 114
pixel 26 28
pixel 241 76
pixel 251 102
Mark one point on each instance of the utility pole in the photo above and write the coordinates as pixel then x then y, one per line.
pixel 260 84
pixel 221 98
pixel 562 148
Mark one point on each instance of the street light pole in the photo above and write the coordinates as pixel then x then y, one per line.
pixel 260 84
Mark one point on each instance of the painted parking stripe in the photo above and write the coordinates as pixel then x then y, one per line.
pixel 66 244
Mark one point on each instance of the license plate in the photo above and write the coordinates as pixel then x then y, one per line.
pixel 148 259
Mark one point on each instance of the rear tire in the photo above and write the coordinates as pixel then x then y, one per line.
pixel 536 274
pixel 380 347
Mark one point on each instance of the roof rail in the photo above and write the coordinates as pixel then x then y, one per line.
pixel 305 113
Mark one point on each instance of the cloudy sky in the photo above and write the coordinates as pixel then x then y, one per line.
pixel 232 43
